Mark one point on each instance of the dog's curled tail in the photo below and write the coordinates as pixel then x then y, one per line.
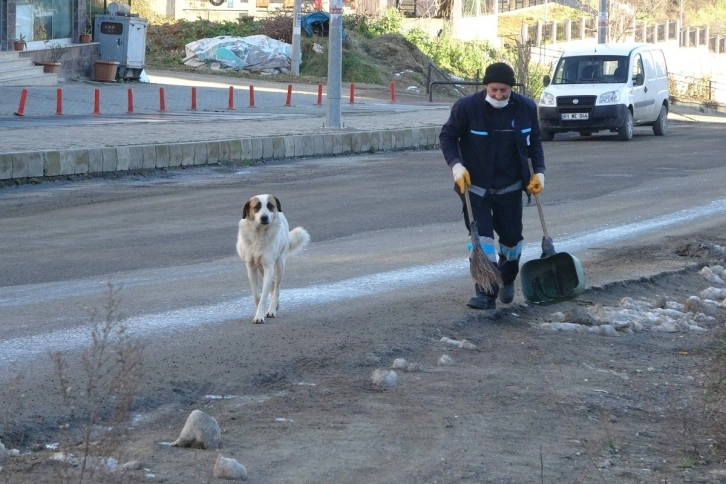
pixel 299 239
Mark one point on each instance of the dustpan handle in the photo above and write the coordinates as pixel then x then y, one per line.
pixel 539 204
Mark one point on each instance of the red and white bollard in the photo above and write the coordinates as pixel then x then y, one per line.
pixel 130 101
pixel 230 104
pixel 59 101
pixel 97 101
pixel 162 100
pixel 288 102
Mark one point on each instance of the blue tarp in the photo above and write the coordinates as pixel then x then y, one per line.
pixel 316 22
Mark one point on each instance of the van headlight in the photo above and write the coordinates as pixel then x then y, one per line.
pixel 612 97
pixel 547 99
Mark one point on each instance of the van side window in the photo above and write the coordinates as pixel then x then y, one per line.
pixel 638 71
pixel 661 67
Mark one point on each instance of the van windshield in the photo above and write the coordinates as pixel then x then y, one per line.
pixel 590 69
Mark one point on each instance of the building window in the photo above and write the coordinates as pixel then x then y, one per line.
pixel 41 20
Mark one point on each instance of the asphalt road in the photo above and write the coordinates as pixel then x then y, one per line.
pixel 386 232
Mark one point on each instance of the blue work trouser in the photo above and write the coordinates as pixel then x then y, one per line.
pixel 499 214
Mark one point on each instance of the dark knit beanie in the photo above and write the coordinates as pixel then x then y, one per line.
pixel 499 72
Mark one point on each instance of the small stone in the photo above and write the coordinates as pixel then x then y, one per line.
pixel 384 378
pixel 225 468
pixel 446 360
pixel 399 364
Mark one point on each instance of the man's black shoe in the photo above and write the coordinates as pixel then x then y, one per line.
pixel 506 293
pixel 482 301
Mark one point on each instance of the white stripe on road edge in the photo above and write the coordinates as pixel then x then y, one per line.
pixel 25 348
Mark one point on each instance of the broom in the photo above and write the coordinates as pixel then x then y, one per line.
pixel 483 271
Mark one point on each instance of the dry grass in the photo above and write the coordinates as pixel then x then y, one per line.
pixel 99 397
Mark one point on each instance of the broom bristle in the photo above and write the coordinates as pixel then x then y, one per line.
pixel 484 272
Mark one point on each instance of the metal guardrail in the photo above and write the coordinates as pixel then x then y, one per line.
pixel 521 88
pixel 450 83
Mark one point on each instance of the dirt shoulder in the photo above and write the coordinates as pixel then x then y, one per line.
pixel 532 400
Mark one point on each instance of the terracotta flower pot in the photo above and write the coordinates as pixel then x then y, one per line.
pixel 19 44
pixel 50 67
pixel 85 38
pixel 106 70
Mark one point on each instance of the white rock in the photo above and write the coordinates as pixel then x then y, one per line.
pixel 467 345
pixel 674 305
pixel 3 453
pixel 65 458
pixel 566 327
pixel 693 304
pixel 713 293
pixel 558 316
pixel 666 327
pixel 200 432
pixel 399 364
pixel 413 367
pixel 630 303
pixel 449 341
pixel 446 360
pixel 133 465
pixel 101 464
pixel 710 276
pixel 384 378
pixel 608 330
pixel 225 468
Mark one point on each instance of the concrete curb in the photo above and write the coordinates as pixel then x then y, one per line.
pixel 24 165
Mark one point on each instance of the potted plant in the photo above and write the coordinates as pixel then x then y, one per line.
pixel 50 58
pixel 19 43
pixel 85 38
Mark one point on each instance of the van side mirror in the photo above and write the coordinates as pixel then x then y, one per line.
pixel 638 79
pixel 546 80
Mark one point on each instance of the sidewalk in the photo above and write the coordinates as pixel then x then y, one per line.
pixel 224 127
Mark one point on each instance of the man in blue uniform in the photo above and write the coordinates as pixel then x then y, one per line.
pixel 487 142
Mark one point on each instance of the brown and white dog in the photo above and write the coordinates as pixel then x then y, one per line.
pixel 264 241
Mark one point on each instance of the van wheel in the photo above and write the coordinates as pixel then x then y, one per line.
pixel 660 126
pixel 625 131
pixel 547 135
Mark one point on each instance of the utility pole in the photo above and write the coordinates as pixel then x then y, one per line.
pixel 335 62
pixel 296 38
pixel 602 23
pixel 680 21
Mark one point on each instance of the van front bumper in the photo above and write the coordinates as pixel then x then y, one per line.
pixel 599 117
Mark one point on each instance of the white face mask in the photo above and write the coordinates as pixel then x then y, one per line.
pixel 497 104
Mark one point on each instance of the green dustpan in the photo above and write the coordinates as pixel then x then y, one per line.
pixel 554 277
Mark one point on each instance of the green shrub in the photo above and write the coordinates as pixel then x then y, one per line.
pixel 465 59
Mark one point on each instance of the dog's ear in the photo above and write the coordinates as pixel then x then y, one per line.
pixel 246 209
pixel 277 202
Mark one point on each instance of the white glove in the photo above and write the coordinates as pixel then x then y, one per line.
pixel 536 183
pixel 461 177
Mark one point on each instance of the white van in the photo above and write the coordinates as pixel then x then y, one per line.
pixel 606 87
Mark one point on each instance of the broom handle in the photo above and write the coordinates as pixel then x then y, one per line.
pixel 468 205
pixel 539 204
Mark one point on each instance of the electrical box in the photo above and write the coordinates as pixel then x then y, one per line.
pixel 122 38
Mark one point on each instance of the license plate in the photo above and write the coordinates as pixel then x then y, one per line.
pixel 574 116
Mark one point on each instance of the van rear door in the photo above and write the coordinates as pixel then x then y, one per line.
pixel 643 98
